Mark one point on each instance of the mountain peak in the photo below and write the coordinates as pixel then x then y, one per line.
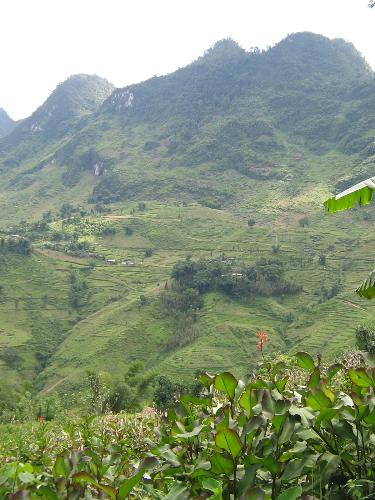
pixel 227 47
pixel 79 94
pixel 317 56
pixel 6 123
pixel 75 97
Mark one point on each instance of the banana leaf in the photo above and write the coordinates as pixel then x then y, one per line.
pixel 367 288
pixel 360 194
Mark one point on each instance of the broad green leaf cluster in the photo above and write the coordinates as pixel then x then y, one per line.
pixel 267 438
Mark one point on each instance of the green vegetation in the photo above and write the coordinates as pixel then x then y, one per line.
pixel 265 278
pixel 292 429
pixel 365 337
pixel 225 162
pixel 148 233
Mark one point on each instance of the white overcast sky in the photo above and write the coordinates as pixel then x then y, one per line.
pixel 45 41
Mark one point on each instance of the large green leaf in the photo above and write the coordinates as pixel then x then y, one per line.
pixel 304 360
pixel 62 466
pixel 229 440
pixel 367 287
pixel 271 464
pixel 317 400
pixel 220 464
pixel 215 486
pixel 293 469
pixel 205 379
pixel 291 493
pixel 360 193
pixel 129 484
pixel 253 494
pixel 248 399
pixel 370 419
pixel 187 435
pixel 326 414
pixel 178 492
pixel 360 378
pixel 126 487
pixel 227 383
pixel 47 493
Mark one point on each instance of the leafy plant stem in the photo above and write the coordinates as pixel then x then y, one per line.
pixel 332 450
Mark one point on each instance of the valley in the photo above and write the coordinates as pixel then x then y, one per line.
pixel 228 159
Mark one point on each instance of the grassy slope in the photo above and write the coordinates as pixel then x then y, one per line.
pixel 125 331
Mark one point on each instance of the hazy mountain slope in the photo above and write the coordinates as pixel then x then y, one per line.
pixel 229 110
pixel 6 123
pixel 57 118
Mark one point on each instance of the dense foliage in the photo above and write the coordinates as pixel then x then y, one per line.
pixel 266 277
pixel 275 436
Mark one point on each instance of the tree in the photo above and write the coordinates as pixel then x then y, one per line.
pixel 66 210
pixel 167 392
pixel 365 337
pixel 322 260
pixel 304 221
pixel 251 222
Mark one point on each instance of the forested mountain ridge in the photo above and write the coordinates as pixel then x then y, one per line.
pixel 227 160
pixel 58 116
pixel 228 111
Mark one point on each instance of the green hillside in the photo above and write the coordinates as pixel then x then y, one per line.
pixel 228 159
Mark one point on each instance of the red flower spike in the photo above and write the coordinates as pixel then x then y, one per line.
pixel 263 339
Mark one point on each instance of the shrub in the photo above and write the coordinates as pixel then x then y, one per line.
pixel 365 337
pixel 142 300
pixel 251 222
pixel 269 439
pixel 108 231
pixel 185 300
pixel 322 260
pixel 184 333
pixel 167 392
pixel 10 356
pixel 303 222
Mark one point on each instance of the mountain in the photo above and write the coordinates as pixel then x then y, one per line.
pixel 229 158
pixel 6 123
pixel 61 115
pixel 229 110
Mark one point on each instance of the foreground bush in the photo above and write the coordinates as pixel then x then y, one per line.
pixel 269 438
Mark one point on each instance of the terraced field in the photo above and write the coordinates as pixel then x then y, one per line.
pixel 114 327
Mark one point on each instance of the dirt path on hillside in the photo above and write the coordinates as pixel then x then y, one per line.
pixel 53 386
pixel 357 306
